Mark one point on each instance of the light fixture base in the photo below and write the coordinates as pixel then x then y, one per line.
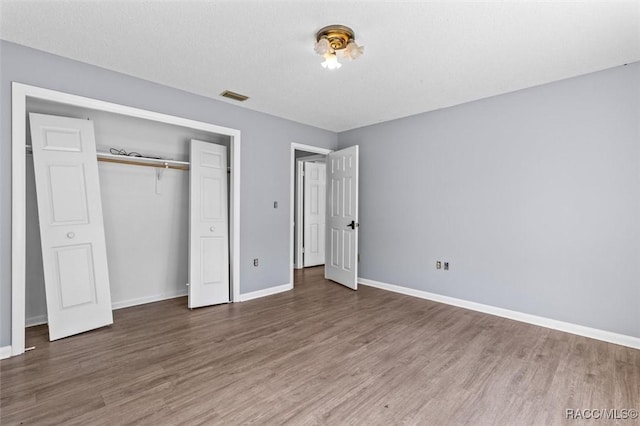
pixel 338 36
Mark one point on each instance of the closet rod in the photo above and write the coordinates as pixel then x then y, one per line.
pixel 143 161
pixel 137 161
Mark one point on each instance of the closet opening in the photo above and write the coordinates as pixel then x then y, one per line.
pixel 146 208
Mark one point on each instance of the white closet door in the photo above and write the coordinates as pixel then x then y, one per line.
pixel 208 225
pixel 74 253
pixel 341 263
pixel 315 193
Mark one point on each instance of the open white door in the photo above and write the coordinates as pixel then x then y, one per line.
pixel 315 192
pixel 74 253
pixel 341 263
pixel 208 225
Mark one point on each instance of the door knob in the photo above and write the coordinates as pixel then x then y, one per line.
pixel 213 229
pixel 353 224
pixel 70 235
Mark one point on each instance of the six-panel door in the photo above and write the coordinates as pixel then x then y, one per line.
pixel 341 263
pixel 71 226
pixel 208 225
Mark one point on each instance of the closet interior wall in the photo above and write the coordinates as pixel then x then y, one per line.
pixel 146 225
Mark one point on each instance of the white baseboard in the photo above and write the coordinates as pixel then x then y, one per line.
pixel 5 352
pixel 148 299
pixel 265 292
pixel 37 320
pixel 580 330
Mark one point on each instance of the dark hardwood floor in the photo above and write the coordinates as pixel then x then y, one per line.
pixel 321 354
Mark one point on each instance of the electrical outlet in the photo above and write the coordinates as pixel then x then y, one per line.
pixel 275 204
pixel 446 266
pixel 438 265
pixel 255 262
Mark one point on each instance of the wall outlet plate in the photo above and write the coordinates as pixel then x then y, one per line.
pixel 255 262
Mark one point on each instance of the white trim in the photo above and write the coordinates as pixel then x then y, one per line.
pixel 18 217
pixel 234 222
pixel 298 261
pixel 567 327
pixel 20 93
pixel 148 299
pixel 320 158
pixel 292 178
pixel 5 352
pixel 34 321
pixel 265 292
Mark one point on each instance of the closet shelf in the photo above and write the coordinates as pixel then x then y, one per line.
pixel 137 161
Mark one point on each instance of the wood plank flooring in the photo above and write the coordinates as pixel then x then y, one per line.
pixel 320 354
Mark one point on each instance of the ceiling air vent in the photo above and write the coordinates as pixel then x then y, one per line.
pixel 233 95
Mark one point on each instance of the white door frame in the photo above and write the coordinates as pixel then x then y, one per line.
pixel 292 191
pixel 298 206
pixel 19 94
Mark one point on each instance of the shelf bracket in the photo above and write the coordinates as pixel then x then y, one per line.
pixel 159 173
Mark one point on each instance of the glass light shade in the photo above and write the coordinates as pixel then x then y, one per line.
pixel 322 47
pixel 331 62
pixel 353 51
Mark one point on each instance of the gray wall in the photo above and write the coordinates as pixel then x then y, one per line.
pixel 265 156
pixel 533 197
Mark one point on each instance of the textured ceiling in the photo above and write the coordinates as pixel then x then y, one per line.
pixel 419 56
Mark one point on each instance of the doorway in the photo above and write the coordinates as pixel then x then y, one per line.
pixel 310 210
pixel 341 222
pixel 301 156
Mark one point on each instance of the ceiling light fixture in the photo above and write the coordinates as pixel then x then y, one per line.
pixel 337 39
